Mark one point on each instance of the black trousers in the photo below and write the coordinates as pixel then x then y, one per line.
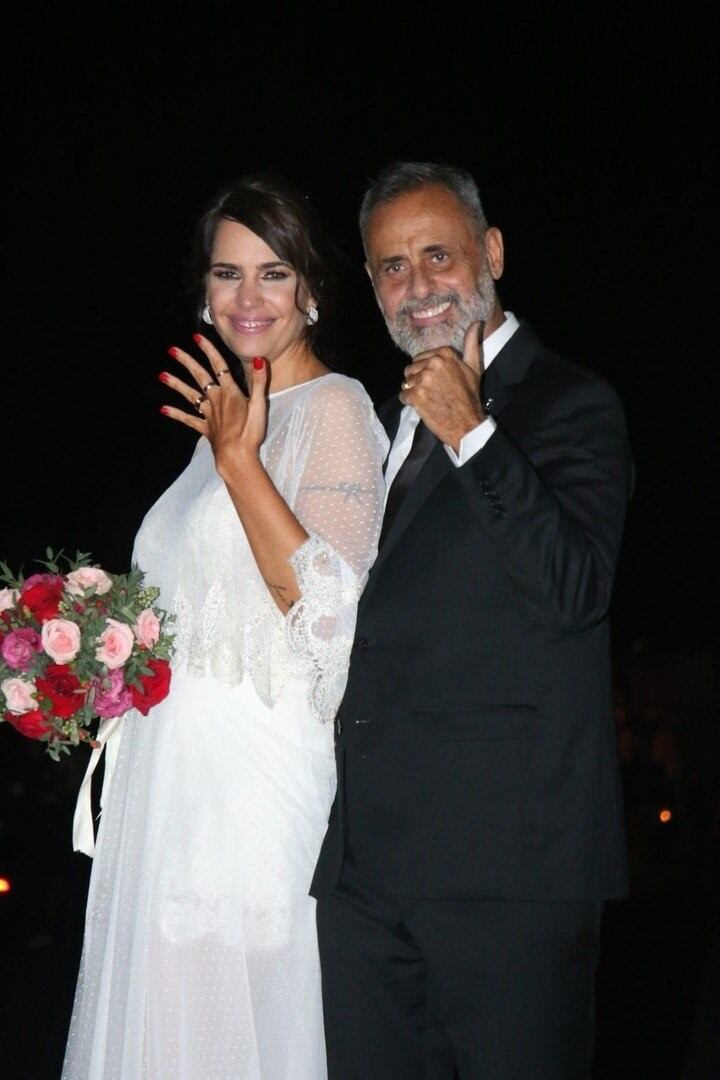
pixel 456 990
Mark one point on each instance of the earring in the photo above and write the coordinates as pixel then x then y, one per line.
pixel 206 316
pixel 312 315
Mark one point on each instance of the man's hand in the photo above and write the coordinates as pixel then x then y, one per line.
pixel 444 388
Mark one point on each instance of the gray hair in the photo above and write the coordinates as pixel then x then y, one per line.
pixel 402 176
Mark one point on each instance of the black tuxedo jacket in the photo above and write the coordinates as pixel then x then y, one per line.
pixel 475 744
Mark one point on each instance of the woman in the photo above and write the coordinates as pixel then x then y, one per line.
pixel 200 956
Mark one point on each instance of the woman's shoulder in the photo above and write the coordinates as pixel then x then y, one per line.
pixel 336 387
pixel 342 402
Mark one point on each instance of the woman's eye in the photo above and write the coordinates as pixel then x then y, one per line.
pixel 226 275
pixel 275 275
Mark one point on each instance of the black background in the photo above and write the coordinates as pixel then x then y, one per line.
pixel 589 129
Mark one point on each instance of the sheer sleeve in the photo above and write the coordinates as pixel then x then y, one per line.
pixel 338 498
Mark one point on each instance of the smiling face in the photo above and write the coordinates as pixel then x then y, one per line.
pixel 432 273
pixel 254 296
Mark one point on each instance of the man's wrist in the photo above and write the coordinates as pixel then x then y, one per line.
pixel 472 441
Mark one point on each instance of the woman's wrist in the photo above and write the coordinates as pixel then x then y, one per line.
pixel 238 465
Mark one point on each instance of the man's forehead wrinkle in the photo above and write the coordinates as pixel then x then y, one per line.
pixel 422 232
pixel 424 240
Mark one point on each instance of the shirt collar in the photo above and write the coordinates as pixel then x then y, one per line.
pixel 494 342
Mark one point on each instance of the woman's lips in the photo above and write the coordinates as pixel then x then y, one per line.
pixel 251 326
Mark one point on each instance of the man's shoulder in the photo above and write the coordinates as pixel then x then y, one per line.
pixel 560 375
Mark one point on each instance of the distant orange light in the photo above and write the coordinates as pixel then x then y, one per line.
pixel 5 885
pixel 665 816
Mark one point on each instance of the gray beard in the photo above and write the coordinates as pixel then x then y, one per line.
pixel 412 339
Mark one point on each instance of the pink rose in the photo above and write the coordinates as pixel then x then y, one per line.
pixel 41 579
pixel 19 648
pixel 61 640
pixel 88 577
pixel 112 696
pixel 147 628
pixel 115 644
pixel 19 695
pixel 8 598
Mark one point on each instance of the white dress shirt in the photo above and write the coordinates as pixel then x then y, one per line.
pixel 475 439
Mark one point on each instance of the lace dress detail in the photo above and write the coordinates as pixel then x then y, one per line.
pixel 200 954
pixel 323 450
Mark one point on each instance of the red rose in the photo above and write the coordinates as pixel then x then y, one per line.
pixel 41 594
pixel 32 724
pixel 155 687
pixel 62 689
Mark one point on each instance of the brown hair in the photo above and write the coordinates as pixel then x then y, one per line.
pixel 281 216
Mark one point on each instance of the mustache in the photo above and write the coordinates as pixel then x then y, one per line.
pixel 428 301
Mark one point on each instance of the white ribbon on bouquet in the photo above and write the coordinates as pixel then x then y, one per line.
pixel 108 736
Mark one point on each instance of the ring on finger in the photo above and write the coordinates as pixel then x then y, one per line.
pixel 406 385
pixel 204 389
pixel 225 371
pixel 199 401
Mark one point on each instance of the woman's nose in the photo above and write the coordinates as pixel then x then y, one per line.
pixel 247 294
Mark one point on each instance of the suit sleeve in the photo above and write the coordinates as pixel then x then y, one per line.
pixel 554 506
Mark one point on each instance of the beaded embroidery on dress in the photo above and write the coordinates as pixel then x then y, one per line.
pixel 200 953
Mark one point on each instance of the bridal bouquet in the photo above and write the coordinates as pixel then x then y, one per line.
pixel 78 645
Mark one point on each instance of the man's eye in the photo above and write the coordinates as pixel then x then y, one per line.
pixel 439 257
pixel 393 268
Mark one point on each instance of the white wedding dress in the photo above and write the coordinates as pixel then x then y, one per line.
pixel 200 955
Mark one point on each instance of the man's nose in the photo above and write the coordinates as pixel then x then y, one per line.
pixel 421 283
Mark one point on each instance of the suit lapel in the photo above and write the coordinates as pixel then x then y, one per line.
pixel 492 391
pixel 509 367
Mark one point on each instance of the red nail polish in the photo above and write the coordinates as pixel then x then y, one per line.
pixel 164 410
pixel 172 351
pixel 197 338
pixel 164 377
pixel 258 362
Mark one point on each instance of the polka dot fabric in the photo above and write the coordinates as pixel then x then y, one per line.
pixel 200 955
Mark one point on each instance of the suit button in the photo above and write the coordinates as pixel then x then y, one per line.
pixel 338 724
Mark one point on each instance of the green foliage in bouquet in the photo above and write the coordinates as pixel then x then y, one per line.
pixel 77 643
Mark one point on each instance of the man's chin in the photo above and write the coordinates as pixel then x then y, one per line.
pixel 426 338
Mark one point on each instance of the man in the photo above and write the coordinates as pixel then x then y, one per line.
pixel 477 827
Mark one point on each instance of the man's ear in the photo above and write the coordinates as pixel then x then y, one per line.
pixel 495 251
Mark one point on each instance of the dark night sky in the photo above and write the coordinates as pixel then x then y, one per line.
pixel 589 136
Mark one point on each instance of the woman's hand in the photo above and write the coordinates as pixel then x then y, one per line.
pixel 233 424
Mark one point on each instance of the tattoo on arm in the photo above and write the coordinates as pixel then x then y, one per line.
pixel 278 592
pixel 350 489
